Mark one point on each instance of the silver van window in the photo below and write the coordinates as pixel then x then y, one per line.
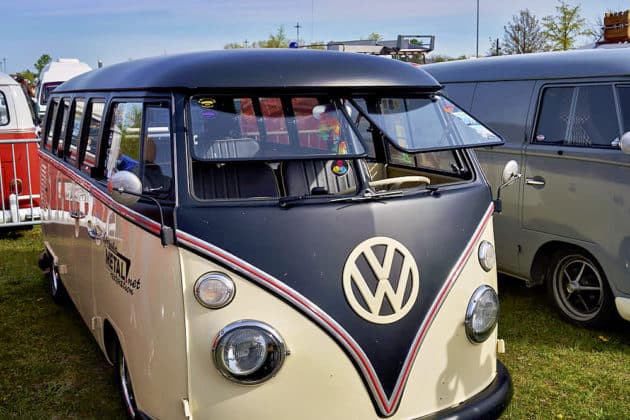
pixel 624 104
pixel 4 110
pixel 578 116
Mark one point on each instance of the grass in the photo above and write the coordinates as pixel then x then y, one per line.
pixel 51 367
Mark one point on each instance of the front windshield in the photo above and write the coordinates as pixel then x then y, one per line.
pixel 425 123
pixel 271 128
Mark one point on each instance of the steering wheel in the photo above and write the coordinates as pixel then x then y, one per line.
pixel 393 183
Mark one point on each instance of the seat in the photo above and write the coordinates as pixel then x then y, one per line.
pixel 304 177
pixel 234 180
pixel 233 148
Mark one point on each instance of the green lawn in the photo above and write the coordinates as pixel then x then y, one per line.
pixel 50 367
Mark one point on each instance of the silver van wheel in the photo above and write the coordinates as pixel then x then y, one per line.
pixel 126 387
pixel 578 289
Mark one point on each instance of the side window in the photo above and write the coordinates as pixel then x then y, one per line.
pixel 503 106
pixel 578 116
pixel 554 115
pixel 624 104
pixel 51 116
pixel 75 129
pixel 123 150
pixel 595 120
pixel 94 117
pixel 64 107
pixel 157 170
pixel 4 110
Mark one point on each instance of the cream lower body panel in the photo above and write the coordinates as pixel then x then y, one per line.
pixel 318 379
pixel 623 307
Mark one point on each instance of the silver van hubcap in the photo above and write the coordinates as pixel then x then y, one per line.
pixel 578 287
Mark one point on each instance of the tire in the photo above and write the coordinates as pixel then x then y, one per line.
pixel 126 387
pixel 578 289
pixel 55 286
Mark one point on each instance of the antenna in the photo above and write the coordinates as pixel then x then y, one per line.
pixel 298 26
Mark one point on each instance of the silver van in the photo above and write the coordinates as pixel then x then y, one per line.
pixel 563 117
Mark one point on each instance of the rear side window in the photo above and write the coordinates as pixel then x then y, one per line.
pixel 75 128
pixel 64 107
pixel 578 116
pixel 51 116
pixel 93 117
pixel 4 110
pixel 624 104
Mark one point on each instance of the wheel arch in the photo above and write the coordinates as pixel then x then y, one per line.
pixel 538 272
pixel 110 341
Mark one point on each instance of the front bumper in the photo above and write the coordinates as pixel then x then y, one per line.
pixel 488 404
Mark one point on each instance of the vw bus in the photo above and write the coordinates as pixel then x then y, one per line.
pixel 565 116
pixel 275 234
pixel 19 163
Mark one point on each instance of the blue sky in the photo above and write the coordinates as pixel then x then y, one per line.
pixel 119 30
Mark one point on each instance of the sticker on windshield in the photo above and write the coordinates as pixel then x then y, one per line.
pixel 206 102
pixel 209 115
pixel 339 167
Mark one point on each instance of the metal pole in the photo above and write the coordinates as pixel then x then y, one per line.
pixel 477 50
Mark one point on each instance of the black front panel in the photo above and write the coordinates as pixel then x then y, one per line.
pixel 307 246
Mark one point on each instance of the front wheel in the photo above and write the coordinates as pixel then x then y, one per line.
pixel 578 289
pixel 126 387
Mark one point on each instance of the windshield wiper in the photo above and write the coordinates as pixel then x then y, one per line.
pixel 369 195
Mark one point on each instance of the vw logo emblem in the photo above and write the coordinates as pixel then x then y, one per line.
pixel 381 299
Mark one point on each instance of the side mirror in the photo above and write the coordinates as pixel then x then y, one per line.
pixel 125 187
pixel 510 175
pixel 624 143
pixel 510 172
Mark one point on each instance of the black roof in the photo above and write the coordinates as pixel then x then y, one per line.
pixel 556 65
pixel 253 68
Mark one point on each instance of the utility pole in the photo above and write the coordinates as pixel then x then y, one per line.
pixel 246 43
pixel 477 51
pixel 498 49
pixel 4 64
pixel 298 26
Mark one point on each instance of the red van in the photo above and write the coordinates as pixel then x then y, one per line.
pixel 19 162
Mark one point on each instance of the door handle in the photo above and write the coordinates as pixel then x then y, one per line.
pixel 96 233
pixel 75 214
pixel 536 181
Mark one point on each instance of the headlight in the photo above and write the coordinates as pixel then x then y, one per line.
pixel 214 290
pixel 482 314
pixel 248 352
pixel 487 257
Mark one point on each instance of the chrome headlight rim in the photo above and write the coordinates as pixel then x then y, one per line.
pixel 486 255
pixel 220 277
pixel 276 353
pixel 477 337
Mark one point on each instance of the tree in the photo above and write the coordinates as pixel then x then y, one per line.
pixel 28 75
pixel 562 29
pixel 233 45
pixel 277 40
pixel 41 63
pixel 375 37
pixel 523 34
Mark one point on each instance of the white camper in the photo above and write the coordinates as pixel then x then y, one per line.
pixel 54 74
